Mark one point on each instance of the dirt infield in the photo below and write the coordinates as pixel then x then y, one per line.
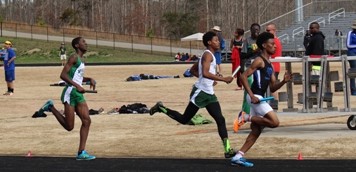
pixel 141 135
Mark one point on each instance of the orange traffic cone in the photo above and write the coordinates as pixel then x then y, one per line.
pixel 29 154
pixel 300 157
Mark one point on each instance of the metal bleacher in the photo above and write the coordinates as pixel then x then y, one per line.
pixel 292 37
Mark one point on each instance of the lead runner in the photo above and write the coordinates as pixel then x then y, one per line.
pixel 261 113
pixel 72 97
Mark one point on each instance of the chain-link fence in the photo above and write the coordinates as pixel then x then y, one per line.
pixel 114 40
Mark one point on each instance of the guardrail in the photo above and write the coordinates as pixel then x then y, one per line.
pixel 320 20
pixel 336 13
pixel 298 31
pixel 284 38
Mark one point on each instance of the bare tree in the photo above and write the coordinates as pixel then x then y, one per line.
pixel 144 17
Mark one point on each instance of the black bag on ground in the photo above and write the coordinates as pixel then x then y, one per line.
pixel 95 112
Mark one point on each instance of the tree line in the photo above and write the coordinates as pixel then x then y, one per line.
pixel 151 18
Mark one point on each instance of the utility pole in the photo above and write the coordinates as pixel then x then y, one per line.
pixel 299 12
pixel 207 15
pixel 244 14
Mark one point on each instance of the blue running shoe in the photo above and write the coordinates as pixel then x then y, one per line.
pixel 85 156
pixel 46 107
pixel 241 162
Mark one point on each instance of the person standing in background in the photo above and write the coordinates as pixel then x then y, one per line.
pixel 338 33
pixel 9 67
pixel 249 51
pixel 315 49
pixel 271 28
pixel 217 53
pixel 62 54
pixel 315 46
pixel 236 46
pixel 351 51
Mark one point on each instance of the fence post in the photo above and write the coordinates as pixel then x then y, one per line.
pixel 113 39
pixel 31 32
pixel 170 46
pixel 151 45
pixel 96 38
pixel 131 43
pixel 16 30
pixel 340 45
pixel 63 35
pixel 295 48
pixel 47 34
pixel 1 29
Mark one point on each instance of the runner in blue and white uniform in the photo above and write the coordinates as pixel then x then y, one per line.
pixel 261 113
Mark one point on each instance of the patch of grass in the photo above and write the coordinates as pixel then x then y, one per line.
pixel 40 51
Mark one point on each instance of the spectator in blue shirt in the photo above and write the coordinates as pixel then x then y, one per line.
pixel 183 57
pixel 217 53
pixel 351 51
pixel 9 67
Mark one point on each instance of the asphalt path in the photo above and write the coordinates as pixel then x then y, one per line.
pixel 54 164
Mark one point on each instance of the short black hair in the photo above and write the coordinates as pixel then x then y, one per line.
pixel 315 23
pixel 240 31
pixel 208 36
pixel 255 24
pixel 263 38
pixel 75 41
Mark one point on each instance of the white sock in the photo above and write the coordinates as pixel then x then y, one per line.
pixel 239 155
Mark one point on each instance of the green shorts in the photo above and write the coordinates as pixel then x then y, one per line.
pixel 201 99
pixel 245 104
pixel 71 96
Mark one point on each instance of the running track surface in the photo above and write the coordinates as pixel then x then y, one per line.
pixel 54 164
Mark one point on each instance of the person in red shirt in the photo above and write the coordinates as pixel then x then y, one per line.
pixel 271 28
pixel 236 46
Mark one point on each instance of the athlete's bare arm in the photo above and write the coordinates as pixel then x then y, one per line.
pixel 206 60
pixel 256 64
pixel 274 87
pixel 194 70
